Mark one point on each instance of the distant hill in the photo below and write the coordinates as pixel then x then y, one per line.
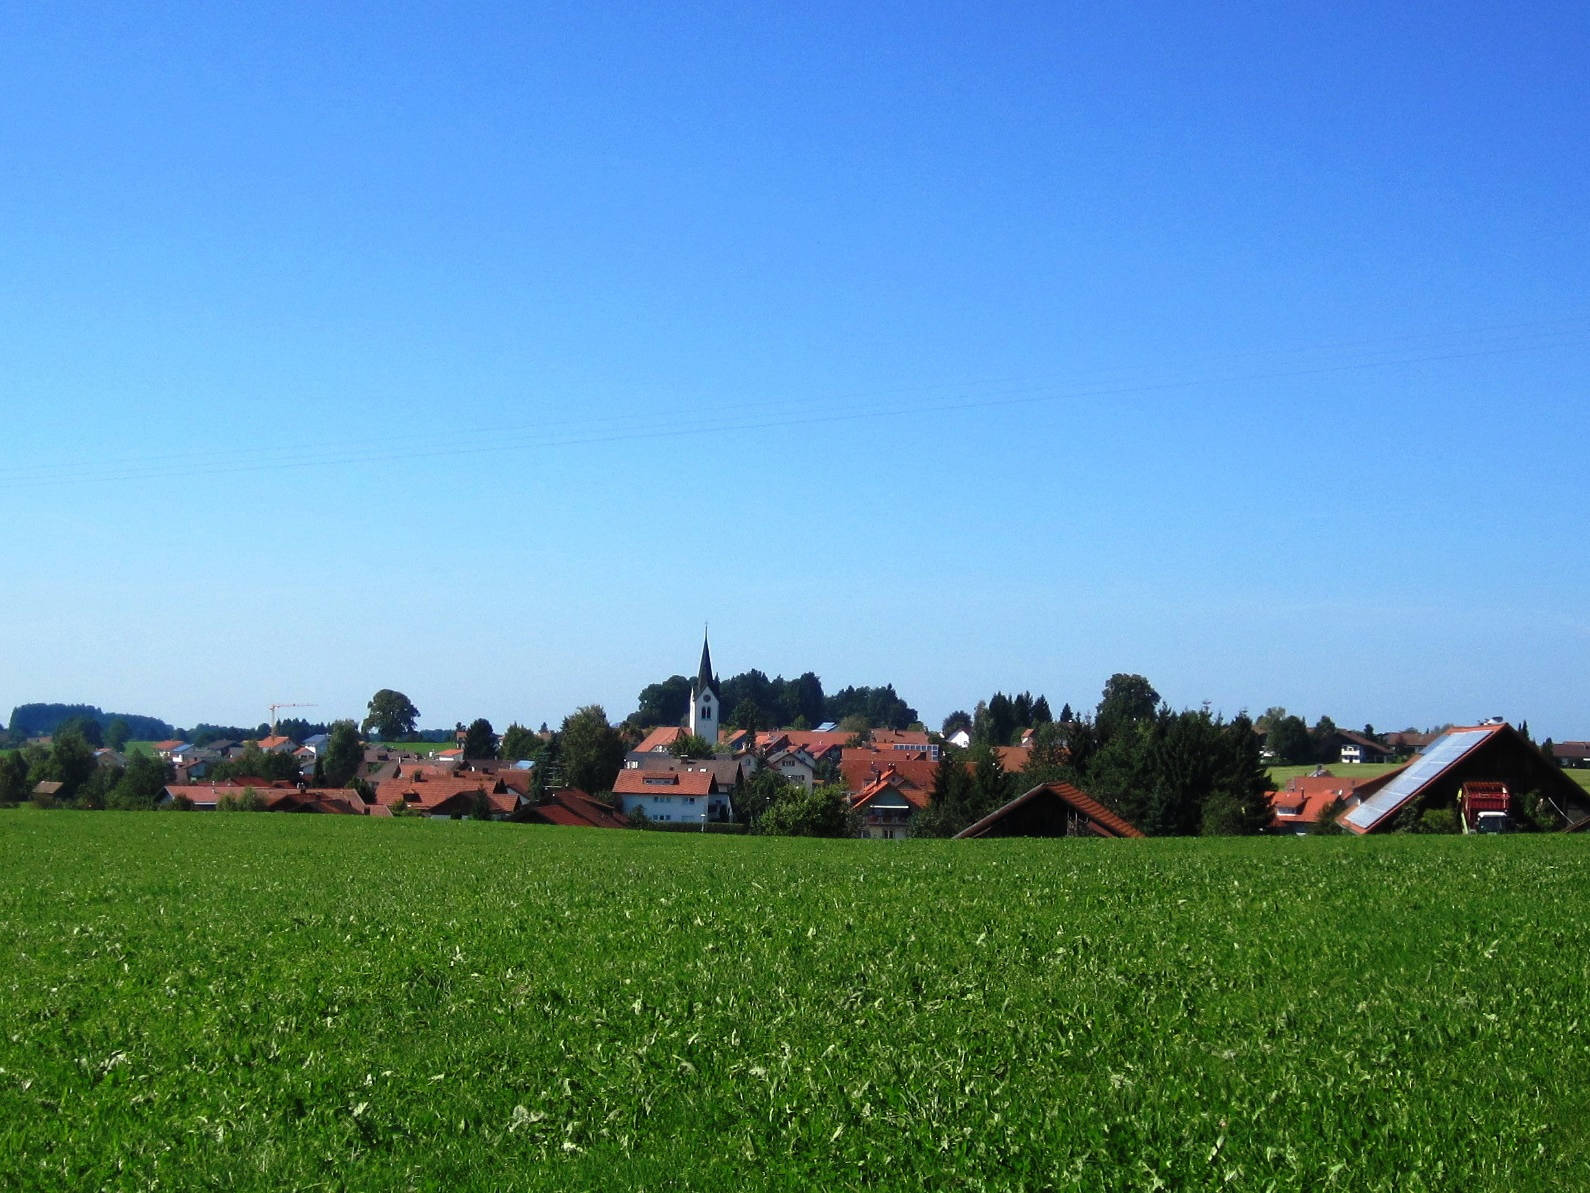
pixel 36 720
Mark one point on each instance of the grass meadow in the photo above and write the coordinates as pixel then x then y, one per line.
pixel 271 1002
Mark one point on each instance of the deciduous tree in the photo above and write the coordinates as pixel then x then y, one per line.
pixel 392 715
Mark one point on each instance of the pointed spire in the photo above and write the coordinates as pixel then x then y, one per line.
pixel 704 678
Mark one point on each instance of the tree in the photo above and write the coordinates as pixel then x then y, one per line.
pixel 88 728
pixel 1323 736
pixel 592 751
pixel 392 715
pixel 255 763
pixel 824 811
pixel 745 716
pixel 70 763
pixel 479 739
pixel 344 755
pixel 140 784
pixel 690 745
pixel 758 793
pixel 1289 742
pixel 519 743
pixel 14 785
pixel 663 703
pixel 117 733
pixel 1126 698
pixel 955 722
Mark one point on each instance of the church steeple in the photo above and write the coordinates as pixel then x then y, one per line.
pixel 705 679
pixel 705 698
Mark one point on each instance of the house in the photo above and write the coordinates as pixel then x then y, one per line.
pixel 794 764
pixel 1355 748
pixel 961 739
pixel 1494 752
pixel 729 772
pixel 1409 741
pixel 1298 807
pixel 1574 754
pixel 1052 810
pixel 889 802
pixel 859 767
pixel 671 796
pixel 276 744
pixel 167 750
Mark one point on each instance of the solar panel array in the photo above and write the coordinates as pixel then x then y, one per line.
pixel 1440 754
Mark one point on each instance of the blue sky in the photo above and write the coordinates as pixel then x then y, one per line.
pixel 485 352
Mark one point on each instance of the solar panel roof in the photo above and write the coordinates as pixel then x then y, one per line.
pixel 1440 754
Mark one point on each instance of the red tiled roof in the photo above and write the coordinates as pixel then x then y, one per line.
pixel 427 791
pixel 891 780
pixel 814 742
pixel 1304 797
pixel 572 808
pixel 270 743
pixel 664 782
pixel 860 767
pixel 899 737
pixel 1013 759
pixel 661 740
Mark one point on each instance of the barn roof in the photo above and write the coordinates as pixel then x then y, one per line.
pixel 1101 821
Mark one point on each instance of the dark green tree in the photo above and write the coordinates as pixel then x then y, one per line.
pixel 140 785
pixel 117 734
pixel 70 763
pixel 88 728
pixel 344 755
pixel 14 785
pixel 1323 736
pixel 745 715
pixel 690 745
pixel 1126 699
pixel 955 722
pixel 255 763
pixel 392 715
pixel 949 809
pixel 663 703
pixel 1289 742
pixel 519 743
pixel 591 751
pixel 480 741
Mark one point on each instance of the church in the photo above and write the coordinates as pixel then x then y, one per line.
pixel 706 701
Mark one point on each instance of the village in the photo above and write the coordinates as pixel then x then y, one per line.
pixel 849 780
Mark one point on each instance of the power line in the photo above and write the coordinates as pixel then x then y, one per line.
pixel 777 414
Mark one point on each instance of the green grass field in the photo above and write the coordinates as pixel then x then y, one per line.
pixel 269 1002
pixel 1360 770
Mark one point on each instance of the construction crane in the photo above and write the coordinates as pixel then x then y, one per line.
pixel 284 704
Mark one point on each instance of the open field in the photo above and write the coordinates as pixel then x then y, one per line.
pixel 264 1002
pixel 1358 770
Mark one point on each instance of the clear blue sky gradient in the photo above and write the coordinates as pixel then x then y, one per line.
pixel 485 352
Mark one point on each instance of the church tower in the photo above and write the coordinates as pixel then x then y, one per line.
pixel 705 699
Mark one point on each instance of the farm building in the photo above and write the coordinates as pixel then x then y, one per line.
pixel 1052 810
pixel 569 806
pixel 1572 753
pixel 1490 753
